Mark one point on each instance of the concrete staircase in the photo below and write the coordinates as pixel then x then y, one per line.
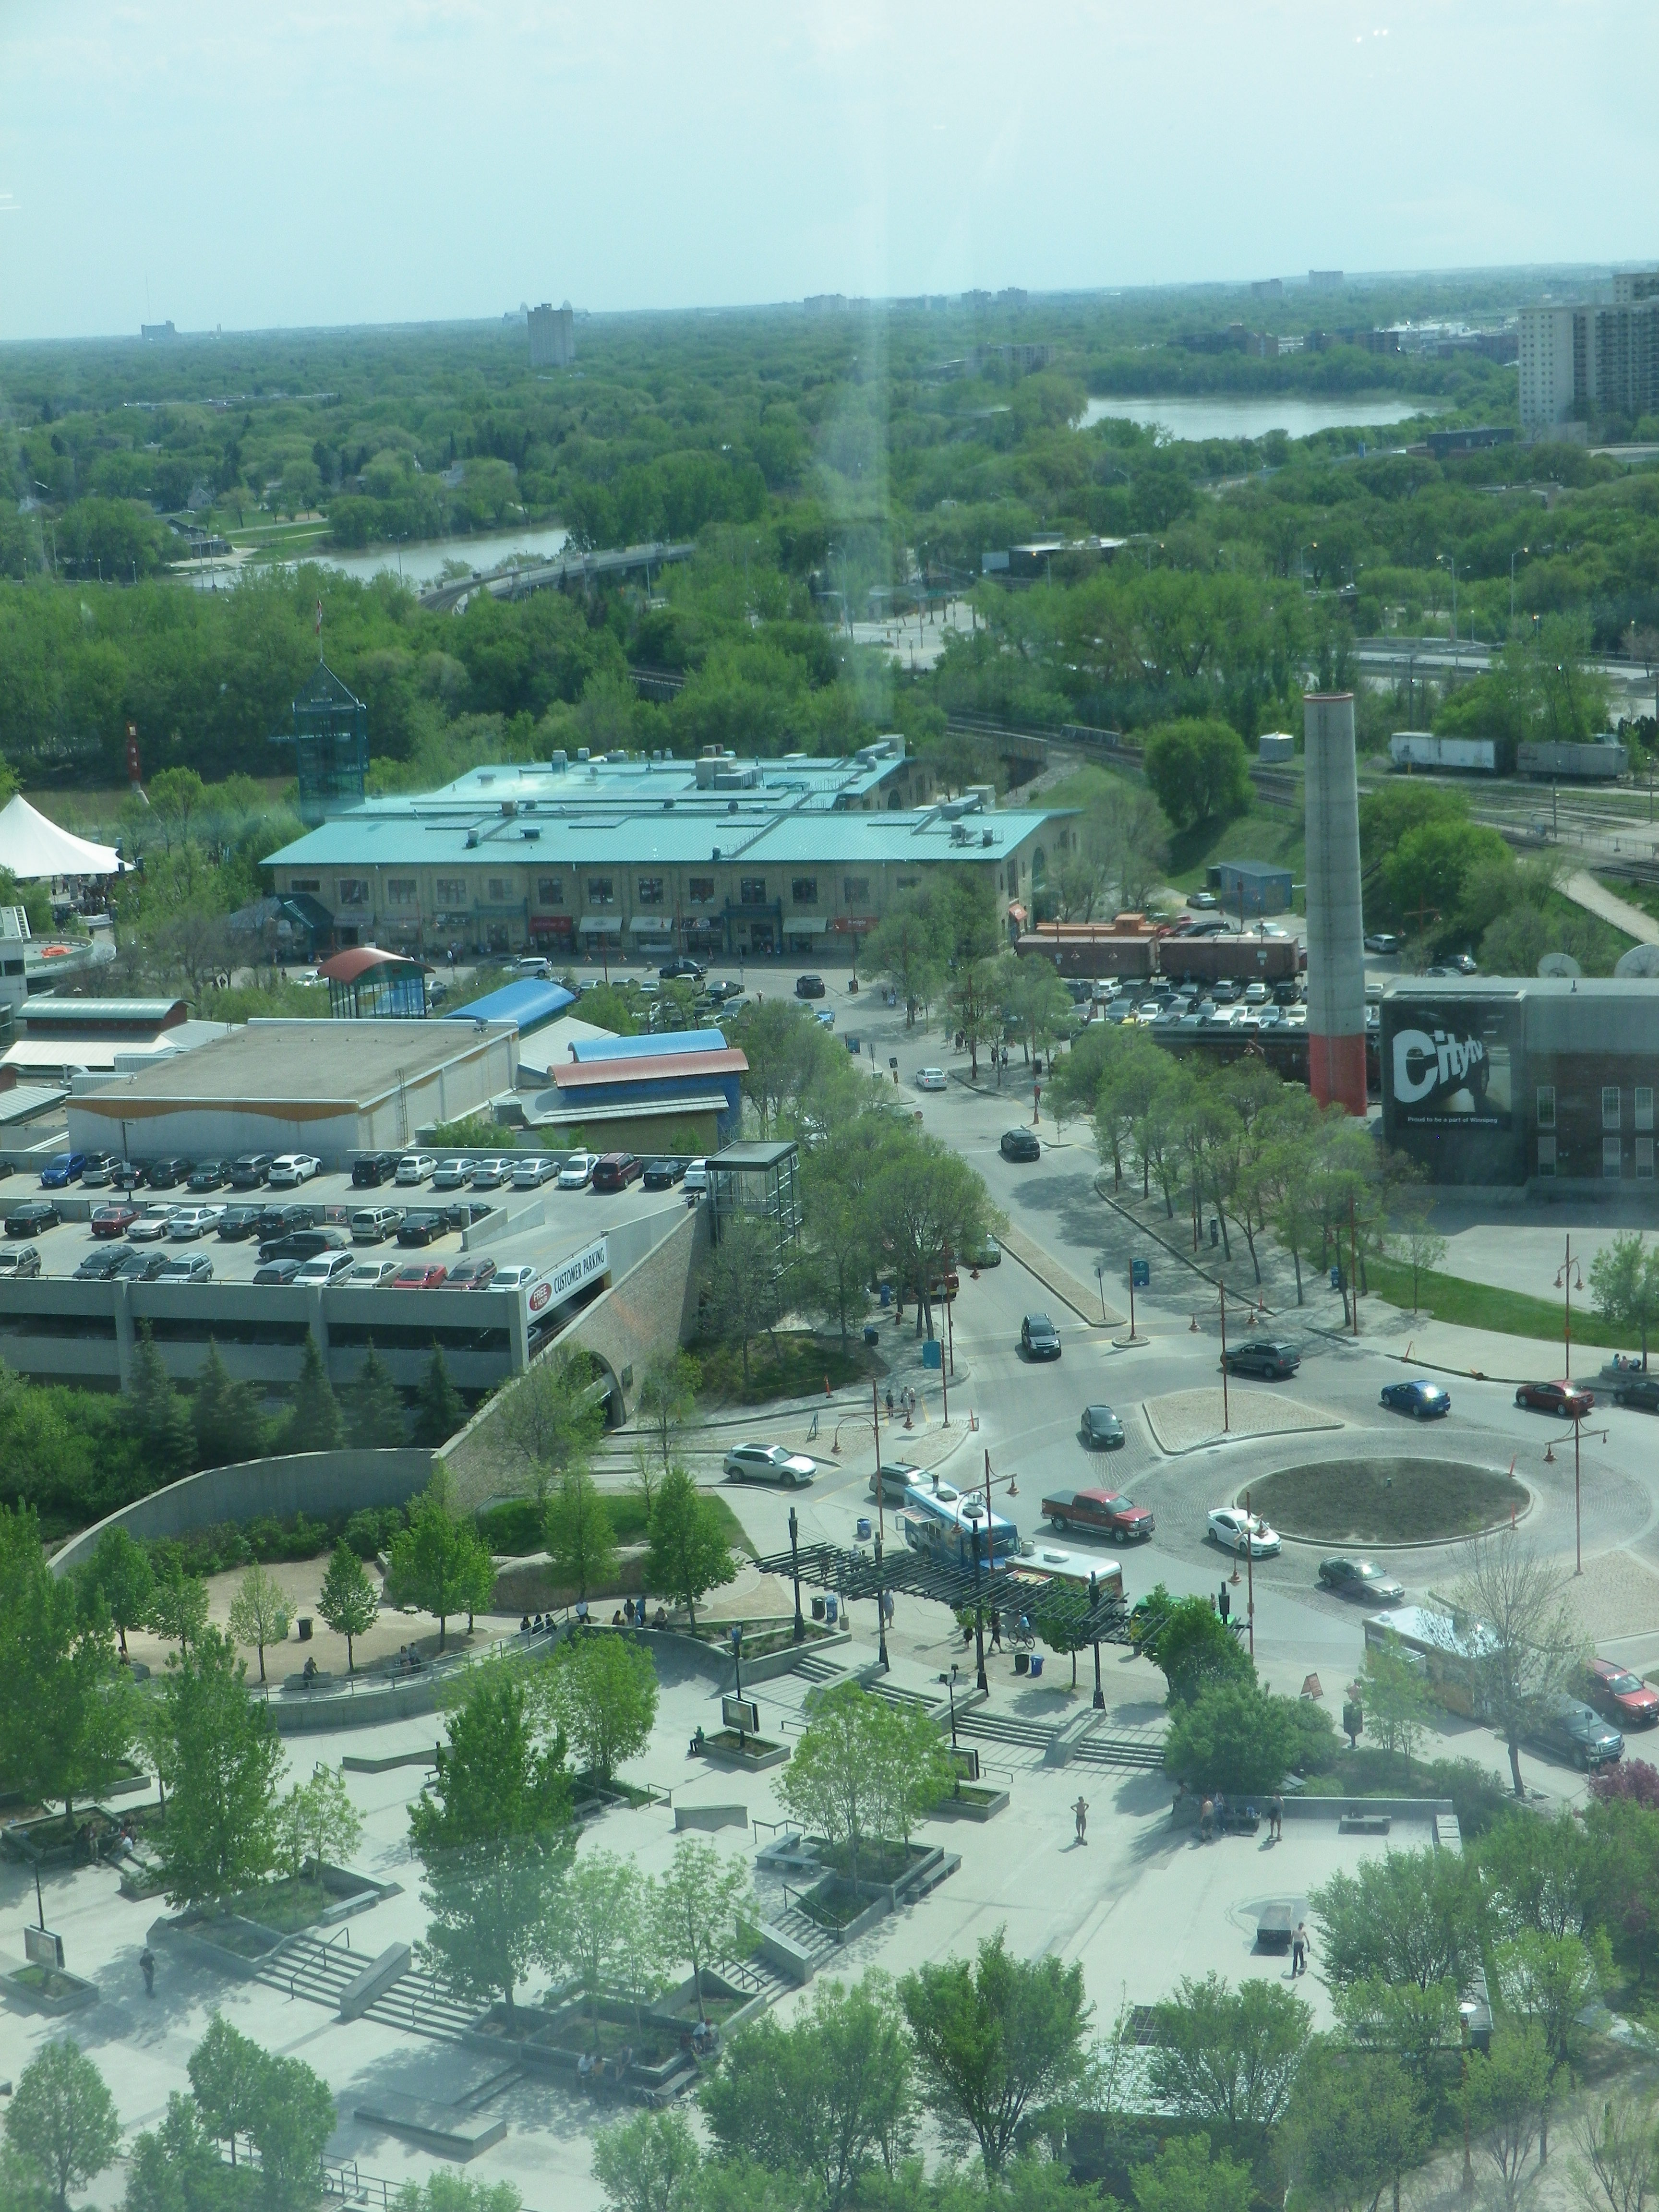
pixel 1004 1728
pixel 307 1967
pixel 811 1668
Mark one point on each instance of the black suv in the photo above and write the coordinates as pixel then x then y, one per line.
pixel 167 1173
pixel 1038 1337
pixel 682 964
pixel 1020 1144
pixel 371 1169
pixel 303 1244
pixel 238 1223
pixel 29 1218
pixel 1272 1361
pixel 809 987
pixel 1577 1733
pixel 250 1171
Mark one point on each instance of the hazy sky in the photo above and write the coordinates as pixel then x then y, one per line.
pixel 374 160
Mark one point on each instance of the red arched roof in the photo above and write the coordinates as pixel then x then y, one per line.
pixel 357 959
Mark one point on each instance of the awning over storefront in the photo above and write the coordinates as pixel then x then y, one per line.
pixel 600 925
pixel 804 924
pixel 652 925
pixel 551 925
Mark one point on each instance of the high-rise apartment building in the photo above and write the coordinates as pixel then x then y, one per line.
pixel 1593 358
pixel 552 337
pixel 1547 365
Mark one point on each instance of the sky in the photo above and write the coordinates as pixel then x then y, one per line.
pixel 298 163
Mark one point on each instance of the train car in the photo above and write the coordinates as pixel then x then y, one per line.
pixel 1601 763
pixel 1243 959
pixel 1414 749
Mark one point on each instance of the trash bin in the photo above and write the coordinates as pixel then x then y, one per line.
pixel 1022 1662
pixel 305 1628
pixel 887 1294
pixel 864 1528
pixel 831 1609
pixel 1036 1664
pixel 871 1334
pixel 930 1352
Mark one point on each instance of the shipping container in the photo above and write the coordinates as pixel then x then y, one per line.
pixel 1207 959
pixel 1421 749
pixel 1591 764
pixel 1091 952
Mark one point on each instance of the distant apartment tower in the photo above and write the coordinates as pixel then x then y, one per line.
pixel 825 303
pixel 1011 295
pixel 1547 365
pixel 1592 359
pixel 1631 285
pixel 1325 280
pixel 1268 287
pixel 153 331
pixel 552 337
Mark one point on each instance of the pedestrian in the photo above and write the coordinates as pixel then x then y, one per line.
pixel 147 1968
pixel 1080 1811
pixel 1225 1603
pixel 1220 1811
pixel 1206 1820
pixel 1275 1819
pixel 1299 1950
pixel 996 1631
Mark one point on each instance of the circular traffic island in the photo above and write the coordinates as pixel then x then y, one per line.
pixel 1402 1501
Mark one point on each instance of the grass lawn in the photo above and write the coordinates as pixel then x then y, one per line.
pixel 792 1365
pixel 1265 833
pixel 1478 1305
pixel 513 1529
pixel 1385 1501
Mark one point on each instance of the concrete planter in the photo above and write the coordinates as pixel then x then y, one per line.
pixel 48 1990
pixel 201 1937
pixel 751 1753
pixel 972 1805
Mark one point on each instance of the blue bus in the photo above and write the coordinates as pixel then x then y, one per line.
pixel 943 1528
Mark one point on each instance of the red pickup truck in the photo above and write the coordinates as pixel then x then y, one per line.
pixel 1100 1512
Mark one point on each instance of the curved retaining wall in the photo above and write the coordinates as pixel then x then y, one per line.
pixel 318 1483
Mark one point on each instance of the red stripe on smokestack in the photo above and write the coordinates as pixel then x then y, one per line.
pixel 1336 1072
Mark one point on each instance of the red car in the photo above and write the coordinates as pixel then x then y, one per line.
pixel 113 1220
pixel 1103 1512
pixel 420 1275
pixel 1624 1698
pixel 472 1274
pixel 1563 1398
pixel 616 1170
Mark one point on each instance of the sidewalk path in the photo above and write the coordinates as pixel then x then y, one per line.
pixel 1086 1304
pixel 1583 889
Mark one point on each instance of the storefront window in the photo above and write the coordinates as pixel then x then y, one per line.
pixel 1644 1159
pixel 450 892
pixel 1611 1161
pixel 855 890
pixel 1610 1106
pixel 752 890
pixel 402 890
pixel 354 891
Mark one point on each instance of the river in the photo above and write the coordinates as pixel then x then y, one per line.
pixel 421 564
pixel 1220 416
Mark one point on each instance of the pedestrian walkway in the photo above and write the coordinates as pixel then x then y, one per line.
pixel 1584 889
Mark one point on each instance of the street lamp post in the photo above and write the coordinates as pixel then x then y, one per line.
pixel 979 1618
pixel 1513 558
pixel 1226 1421
pixel 794 1566
pixel 1094 1600
pixel 737 1663
pixel 1570 1276
pixel 1249 1574
pixel 1577 1518
pixel 881 1536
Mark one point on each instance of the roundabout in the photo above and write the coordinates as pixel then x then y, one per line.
pixel 1400 1502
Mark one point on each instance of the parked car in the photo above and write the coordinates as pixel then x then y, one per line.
pixel 451 1174
pixel 1257 995
pixel 1264 1357
pixel 326 1267
pixel 282 1270
pixel 208 1175
pixel 97 1267
pixel 896 1479
pixel 682 964
pixel 930 1079
pixel 167 1173
pixel 249 1170
pixel 809 987
pixel 1640 1391
pixel 1423 1399
pixel 471 1274
pixel 113 1220
pixel 289 1168
pixel 368 1275
pixel 237 1223
pixel 420 1275
pixel 140 1267
pixel 1574 1732
pixel 536 966
pixel 99 1171
pixel 192 1221
pixel 276 1220
pixel 1020 1144
pixel 616 1171
pixel 1038 1337
pixel 1235 1530
pixel 1361 1578
pixel 533 1171
pixel 1203 902
pixel 17 1260
pixel 464 1212
pixel 152 1224
pixel 62 1170
pixel 372 1225
pixel 303 1244
pixel 1384 941
pixel 370 1170
pixel 986 1253
pixel 768 1463
pixel 414 1169
pixel 1099 1513
pixel 29 1218
pixel 1563 1398
pixel 185 1267
pixel 1621 1696
pixel 696 1178
pixel 126 1175
pixel 663 1173
pixel 491 1174
pixel 1102 1428
pixel 421 1227
pixel 517 1276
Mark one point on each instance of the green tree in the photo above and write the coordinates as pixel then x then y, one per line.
pixel 576 1526
pixel 224 2078
pixel 1528 1647
pixel 225 1414
pixel 649 2162
pixel 1198 770
pixel 259 1612
pixel 862 1771
pixel 439 1408
pixel 1541 1872
pixel 903 948
pixel 160 1412
pixel 667 1400
pixel 493 1833
pixel 554 1417
pixel 1193 1648
pixel 1184 2177
pixel 347 1600
pixel 373 1408
pixel 1549 1982
pixel 604 1917
pixel 314 1423
pixel 741 1290
pixel 65 1720
pixel 454 2192
pixel 933 1207
pixel 62 2120
pixel 317 1823
pixel 1353 2129
pixel 1624 1284
pixel 1059 1617
pixel 700 1902
pixel 1507 2099
pixel 175 2167
pixel 1623 1840
pixel 118 1580
pixel 1618 2141
pixel 602 1691
pixel 1418 2024
pixel 1228 2054
pixel 688 1554
pixel 1412 1917
pixel 224 1757
pixel 997 2040
pixel 1397 1701
pixel 830 2098
pixel 178 1605
pixel 293 2118
pixel 438 1562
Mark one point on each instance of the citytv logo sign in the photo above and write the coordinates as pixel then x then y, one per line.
pixel 1426 1061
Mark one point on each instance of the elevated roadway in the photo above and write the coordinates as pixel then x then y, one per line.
pixel 512 583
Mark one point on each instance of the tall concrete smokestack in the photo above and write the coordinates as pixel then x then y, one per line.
pixel 1336 952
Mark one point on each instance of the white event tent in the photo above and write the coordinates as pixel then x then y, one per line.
pixel 34 848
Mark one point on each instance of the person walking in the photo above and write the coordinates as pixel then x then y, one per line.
pixel 1299 1950
pixel 1206 1820
pixel 147 1968
pixel 1080 1811
pixel 1225 1603
pixel 1275 1819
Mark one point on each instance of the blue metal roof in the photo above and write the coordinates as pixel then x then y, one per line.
pixel 527 1004
pixel 643 1048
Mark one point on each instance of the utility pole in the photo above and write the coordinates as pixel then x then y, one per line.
pixel 1226 1419
pixel 1564 1282
pixel 881 1534
pixel 1249 1574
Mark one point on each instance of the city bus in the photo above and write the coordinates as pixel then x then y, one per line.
pixel 944 1529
